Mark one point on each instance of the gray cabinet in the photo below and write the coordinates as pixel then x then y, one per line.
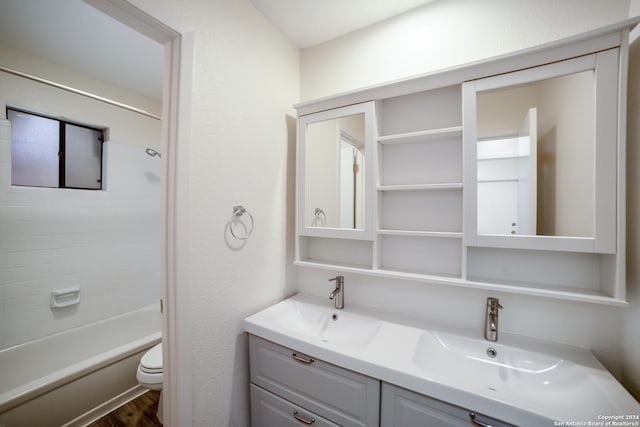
pixel 269 410
pixel 323 390
pixel 404 408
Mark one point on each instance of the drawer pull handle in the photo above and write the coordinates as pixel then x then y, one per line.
pixel 472 416
pixel 302 419
pixel 300 359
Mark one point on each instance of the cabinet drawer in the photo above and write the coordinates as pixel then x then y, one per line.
pixel 342 396
pixel 269 410
pixel 404 408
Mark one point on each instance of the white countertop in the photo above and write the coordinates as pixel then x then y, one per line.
pixel 570 387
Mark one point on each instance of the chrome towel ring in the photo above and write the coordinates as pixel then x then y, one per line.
pixel 238 212
pixel 319 218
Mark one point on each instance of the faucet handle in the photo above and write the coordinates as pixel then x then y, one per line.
pixel 338 279
pixel 494 303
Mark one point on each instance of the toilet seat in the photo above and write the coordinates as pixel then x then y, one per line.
pixel 152 359
pixel 150 371
pixel 149 374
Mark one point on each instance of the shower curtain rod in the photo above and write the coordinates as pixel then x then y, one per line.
pixel 79 92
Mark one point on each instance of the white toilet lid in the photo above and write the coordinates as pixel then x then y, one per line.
pixel 152 359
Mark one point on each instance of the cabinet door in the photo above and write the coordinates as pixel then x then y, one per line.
pixel 404 408
pixel 269 410
pixel 342 396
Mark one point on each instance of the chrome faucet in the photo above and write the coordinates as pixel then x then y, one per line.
pixel 338 293
pixel 491 319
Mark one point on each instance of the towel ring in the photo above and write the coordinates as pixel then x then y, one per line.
pixel 238 212
pixel 319 218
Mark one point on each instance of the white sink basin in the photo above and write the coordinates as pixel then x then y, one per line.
pixel 484 365
pixel 528 382
pixel 324 324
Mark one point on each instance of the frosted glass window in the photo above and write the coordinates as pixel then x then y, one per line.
pixel 83 157
pixel 35 142
pixel 46 152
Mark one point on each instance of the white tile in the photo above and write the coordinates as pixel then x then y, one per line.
pixel 14 336
pixel 107 243
pixel 18 275
pixel 5 151
pixel 5 173
pixel 26 289
pixel 23 306
pixel 18 319
pixel 2 298
pixel 5 129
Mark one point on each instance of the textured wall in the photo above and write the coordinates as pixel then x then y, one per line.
pixel 241 151
pixel 446 33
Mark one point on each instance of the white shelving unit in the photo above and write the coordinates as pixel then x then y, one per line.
pixel 419 179
pixel 419 208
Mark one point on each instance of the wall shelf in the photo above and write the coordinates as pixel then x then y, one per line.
pixel 416 233
pixel 413 187
pixel 569 294
pixel 421 136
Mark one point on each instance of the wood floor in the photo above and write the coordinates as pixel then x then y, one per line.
pixel 140 412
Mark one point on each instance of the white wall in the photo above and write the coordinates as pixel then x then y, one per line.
pixel 449 33
pixel 241 151
pixel 442 34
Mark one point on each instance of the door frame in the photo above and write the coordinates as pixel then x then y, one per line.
pixel 176 109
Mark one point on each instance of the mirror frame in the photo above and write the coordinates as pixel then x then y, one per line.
pixel 605 65
pixel 368 231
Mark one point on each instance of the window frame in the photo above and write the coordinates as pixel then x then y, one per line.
pixel 62 123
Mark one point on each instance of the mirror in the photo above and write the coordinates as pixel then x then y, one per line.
pixel 335 166
pixel 335 174
pixel 540 147
pixel 535 157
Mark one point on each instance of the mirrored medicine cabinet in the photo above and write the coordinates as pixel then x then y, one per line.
pixel 505 175
pixel 335 183
pixel 540 156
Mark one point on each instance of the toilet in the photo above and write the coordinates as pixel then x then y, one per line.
pixel 149 373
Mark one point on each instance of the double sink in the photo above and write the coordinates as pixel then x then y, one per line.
pixel 521 381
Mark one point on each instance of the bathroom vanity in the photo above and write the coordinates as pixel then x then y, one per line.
pixel 312 364
pixel 503 175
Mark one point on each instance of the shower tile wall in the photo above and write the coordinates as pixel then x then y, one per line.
pixel 107 242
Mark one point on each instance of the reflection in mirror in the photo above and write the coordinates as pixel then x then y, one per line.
pixel 536 145
pixel 334 168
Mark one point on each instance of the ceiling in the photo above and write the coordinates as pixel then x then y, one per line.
pixel 74 34
pixel 311 22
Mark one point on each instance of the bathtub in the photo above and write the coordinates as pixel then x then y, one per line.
pixel 68 376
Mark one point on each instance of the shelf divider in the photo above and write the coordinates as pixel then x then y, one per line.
pixel 424 135
pixel 417 233
pixel 413 187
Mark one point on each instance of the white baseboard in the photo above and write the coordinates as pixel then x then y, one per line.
pixel 107 407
